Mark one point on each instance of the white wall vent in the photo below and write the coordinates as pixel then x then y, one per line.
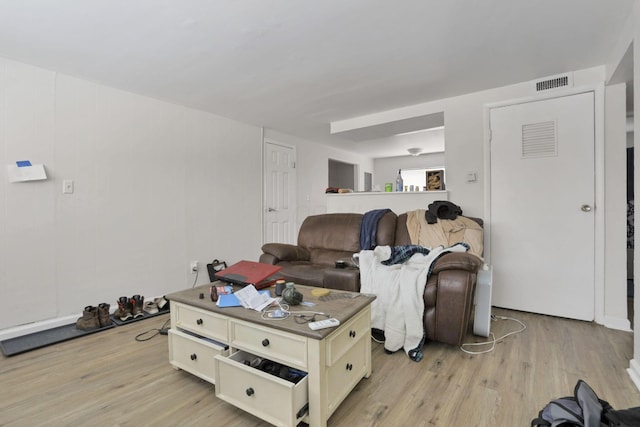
pixel 555 82
pixel 539 140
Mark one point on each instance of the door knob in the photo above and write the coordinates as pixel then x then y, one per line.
pixel 585 208
pixel 272 210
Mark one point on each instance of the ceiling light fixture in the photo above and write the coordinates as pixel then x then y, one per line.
pixel 414 151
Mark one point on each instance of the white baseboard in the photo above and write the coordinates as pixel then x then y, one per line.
pixel 619 323
pixel 30 328
pixel 634 372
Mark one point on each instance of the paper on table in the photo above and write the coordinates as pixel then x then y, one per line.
pixel 231 300
pixel 250 298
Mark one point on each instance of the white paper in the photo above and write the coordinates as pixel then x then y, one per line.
pixel 250 298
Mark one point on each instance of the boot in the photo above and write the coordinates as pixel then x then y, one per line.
pixel 89 319
pixel 137 303
pixel 103 314
pixel 123 312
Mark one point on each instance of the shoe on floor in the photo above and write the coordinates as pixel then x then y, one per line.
pixel 123 312
pixel 103 314
pixel 377 335
pixel 89 320
pixel 150 307
pixel 137 303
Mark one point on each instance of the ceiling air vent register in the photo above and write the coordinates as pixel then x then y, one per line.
pixel 539 140
pixel 555 82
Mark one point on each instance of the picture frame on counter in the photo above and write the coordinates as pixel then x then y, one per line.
pixel 435 180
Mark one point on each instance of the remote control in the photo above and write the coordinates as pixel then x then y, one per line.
pixel 321 324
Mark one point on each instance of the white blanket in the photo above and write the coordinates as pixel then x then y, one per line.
pixel 399 306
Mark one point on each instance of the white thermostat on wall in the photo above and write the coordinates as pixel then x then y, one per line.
pixel 24 171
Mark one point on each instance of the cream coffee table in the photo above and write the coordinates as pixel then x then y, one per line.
pixel 216 343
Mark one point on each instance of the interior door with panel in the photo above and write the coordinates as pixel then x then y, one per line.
pixel 542 200
pixel 279 206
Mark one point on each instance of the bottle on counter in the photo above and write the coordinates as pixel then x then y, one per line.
pixel 399 181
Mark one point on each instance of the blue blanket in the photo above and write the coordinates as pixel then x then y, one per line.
pixel 369 228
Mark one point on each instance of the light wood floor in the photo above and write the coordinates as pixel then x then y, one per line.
pixel 109 379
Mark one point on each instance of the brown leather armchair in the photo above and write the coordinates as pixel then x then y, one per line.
pixel 448 296
pixel 327 238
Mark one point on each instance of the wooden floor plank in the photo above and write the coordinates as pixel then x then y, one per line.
pixel 110 379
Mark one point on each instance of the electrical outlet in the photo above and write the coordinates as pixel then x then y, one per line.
pixel 67 186
pixel 194 266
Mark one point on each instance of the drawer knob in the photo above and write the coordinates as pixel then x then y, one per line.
pixel 265 342
pixel 193 356
pixel 349 366
pixel 352 334
pixel 250 392
pixel 199 322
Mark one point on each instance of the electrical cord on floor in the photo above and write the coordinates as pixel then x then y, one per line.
pixel 493 341
pixel 195 280
pixel 145 335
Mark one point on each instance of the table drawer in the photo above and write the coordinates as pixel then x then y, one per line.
pixel 194 355
pixel 275 400
pixel 346 372
pixel 341 341
pixel 272 344
pixel 201 322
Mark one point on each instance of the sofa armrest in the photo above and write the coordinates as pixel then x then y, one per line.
pixel 457 261
pixel 448 320
pixel 268 259
pixel 285 252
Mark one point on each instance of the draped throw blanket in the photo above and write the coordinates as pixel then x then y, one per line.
pixel 399 307
pixel 369 227
pixel 445 232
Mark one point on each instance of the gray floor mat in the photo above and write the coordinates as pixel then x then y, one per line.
pixel 24 343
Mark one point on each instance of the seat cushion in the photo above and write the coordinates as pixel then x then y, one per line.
pixel 306 273
pixel 302 272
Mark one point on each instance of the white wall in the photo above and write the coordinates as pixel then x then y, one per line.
pixel 313 172
pixel 156 185
pixel 615 297
pixel 398 202
pixel 464 136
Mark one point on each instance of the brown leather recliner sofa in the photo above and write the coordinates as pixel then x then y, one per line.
pixel 327 238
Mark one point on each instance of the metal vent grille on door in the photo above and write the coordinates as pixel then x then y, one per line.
pixel 539 140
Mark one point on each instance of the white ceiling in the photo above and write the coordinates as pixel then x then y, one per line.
pixel 297 65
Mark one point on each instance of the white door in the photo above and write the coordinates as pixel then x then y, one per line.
pixel 542 201
pixel 280 200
